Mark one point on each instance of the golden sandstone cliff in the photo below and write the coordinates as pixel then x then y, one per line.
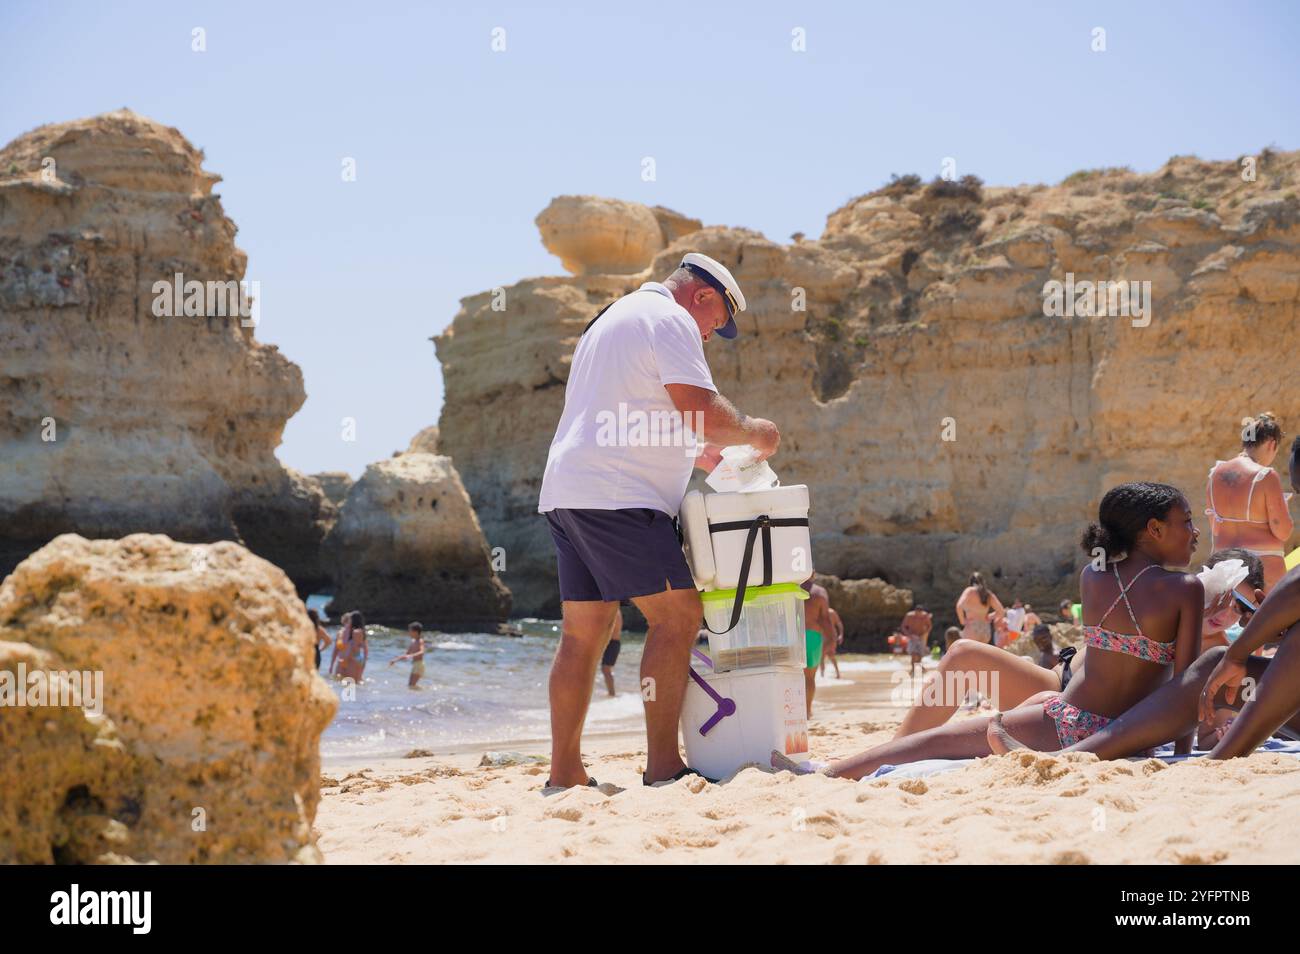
pixel 944 421
pixel 117 419
pixel 114 419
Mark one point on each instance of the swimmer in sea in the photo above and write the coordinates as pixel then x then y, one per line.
pixel 322 637
pixel 415 653
pixel 611 651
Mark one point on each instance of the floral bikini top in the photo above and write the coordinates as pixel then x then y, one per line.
pixel 1139 645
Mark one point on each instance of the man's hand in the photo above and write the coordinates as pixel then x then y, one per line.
pixel 763 436
pixel 709 458
pixel 1227 674
pixel 1219 605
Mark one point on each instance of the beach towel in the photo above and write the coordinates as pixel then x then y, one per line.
pixel 1165 753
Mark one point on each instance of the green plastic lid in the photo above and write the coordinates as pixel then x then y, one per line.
pixel 777 589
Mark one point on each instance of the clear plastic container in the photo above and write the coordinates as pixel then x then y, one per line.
pixel 770 631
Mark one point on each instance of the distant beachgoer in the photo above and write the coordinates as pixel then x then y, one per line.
pixel 611 651
pixel 322 637
pixel 817 621
pixel 414 652
pixel 1071 612
pixel 1048 658
pixel 916 627
pixel 352 662
pixel 1015 620
pixel 1031 619
pixel 950 636
pixel 830 647
pixel 1245 502
pixel 340 643
pixel 977 607
pixel 1148 526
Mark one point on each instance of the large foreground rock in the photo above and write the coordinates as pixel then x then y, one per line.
pixel 113 419
pixel 207 746
pixel 408 546
pixel 942 420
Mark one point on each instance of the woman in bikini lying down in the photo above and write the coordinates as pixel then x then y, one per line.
pixel 1218 679
pixel 1139 619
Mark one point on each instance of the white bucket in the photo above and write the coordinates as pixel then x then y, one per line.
pixel 770 712
pixel 788 549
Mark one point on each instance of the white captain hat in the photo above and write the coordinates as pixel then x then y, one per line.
pixel 714 274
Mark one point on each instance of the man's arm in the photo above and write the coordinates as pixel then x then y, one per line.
pixel 1278 613
pixel 723 424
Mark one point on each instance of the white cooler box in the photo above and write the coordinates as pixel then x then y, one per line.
pixel 716 529
pixel 741 717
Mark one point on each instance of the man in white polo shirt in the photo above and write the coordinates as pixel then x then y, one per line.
pixel 639 395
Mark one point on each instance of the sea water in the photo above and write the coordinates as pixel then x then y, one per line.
pixel 478 689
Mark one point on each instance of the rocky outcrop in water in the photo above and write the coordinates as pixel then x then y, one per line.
pixel 869 609
pixel 946 419
pixel 112 418
pixel 201 743
pixel 407 546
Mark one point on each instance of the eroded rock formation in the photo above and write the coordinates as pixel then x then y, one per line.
pixel 407 546
pixel 869 609
pixel 207 745
pixel 335 484
pixel 112 419
pixel 594 236
pixel 944 422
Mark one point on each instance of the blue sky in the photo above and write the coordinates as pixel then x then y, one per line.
pixel 458 147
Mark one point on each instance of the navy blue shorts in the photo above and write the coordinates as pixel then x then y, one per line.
pixel 606 555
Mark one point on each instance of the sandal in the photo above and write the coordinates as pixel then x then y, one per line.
pixel 591 783
pixel 678 777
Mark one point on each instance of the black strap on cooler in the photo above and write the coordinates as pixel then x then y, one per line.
pixel 762 523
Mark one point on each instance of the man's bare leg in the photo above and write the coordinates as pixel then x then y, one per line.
pixel 573 674
pixel 674 618
pixel 608 673
pixel 809 687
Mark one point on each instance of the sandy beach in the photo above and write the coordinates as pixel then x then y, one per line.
pixel 1020 808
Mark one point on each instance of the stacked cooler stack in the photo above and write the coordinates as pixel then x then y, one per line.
pixel 746 697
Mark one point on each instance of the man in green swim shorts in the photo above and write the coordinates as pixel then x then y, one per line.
pixel 817 620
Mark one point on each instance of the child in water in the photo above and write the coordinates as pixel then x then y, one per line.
pixel 415 653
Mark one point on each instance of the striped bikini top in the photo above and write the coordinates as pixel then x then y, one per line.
pixel 1139 645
